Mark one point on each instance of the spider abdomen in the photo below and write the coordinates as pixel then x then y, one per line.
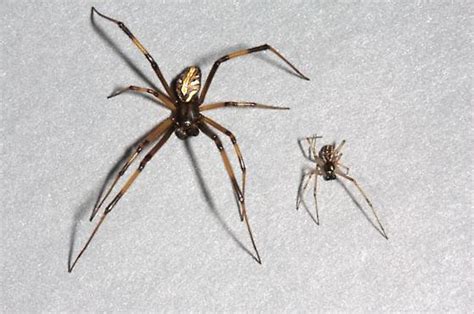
pixel 188 84
pixel 327 153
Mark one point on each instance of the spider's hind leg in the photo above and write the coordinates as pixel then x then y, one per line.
pixel 152 136
pixel 237 152
pixel 354 181
pixel 167 133
pixel 230 172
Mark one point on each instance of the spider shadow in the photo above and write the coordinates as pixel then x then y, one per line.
pixel 210 201
pixel 359 206
pixel 300 194
pixel 122 55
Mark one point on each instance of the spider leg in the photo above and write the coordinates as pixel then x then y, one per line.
pixel 301 191
pixel 212 135
pixel 165 100
pixel 152 136
pixel 342 174
pixel 139 45
pixel 315 194
pixel 123 190
pixel 239 104
pixel 237 152
pixel 339 147
pixel 312 146
pixel 239 53
pixel 343 167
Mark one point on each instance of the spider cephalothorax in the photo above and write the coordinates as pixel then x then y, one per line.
pixel 186 104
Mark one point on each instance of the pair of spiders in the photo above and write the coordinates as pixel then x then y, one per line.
pixel 186 120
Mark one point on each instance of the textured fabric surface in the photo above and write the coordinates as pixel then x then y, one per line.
pixel 393 79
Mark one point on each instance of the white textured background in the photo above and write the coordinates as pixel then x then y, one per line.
pixel 393 79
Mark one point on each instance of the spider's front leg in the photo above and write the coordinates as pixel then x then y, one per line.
pixel 303 186
pixel 139 45
pixel 240 53
pixel 212 135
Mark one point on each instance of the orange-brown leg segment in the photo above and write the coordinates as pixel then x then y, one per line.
pixel 239 104
pixel 237 152
pixel 137 43
pixel 239 53
pixel 342 174
pixel 123 190
pixel 165 100
pixel 152 136
pixel 212 135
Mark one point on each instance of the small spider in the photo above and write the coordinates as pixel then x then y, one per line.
pixel 186 120
pixel 328 165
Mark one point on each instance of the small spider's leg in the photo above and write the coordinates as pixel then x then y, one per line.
pixel 342 174
pixel 301 191
pixel 339 147
pixel 123 190
pixel 343 167
pixel 315 194
pixel 239 104
pixel 237 152
pixel 212 135
pixel 239 53
pixel 311 142
pixel 165 100
pixel 139 45
pixel 152 136
pixel 312 146
pixel 308 155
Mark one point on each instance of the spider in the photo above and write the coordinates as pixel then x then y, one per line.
pixel 328 166
pixel 186 120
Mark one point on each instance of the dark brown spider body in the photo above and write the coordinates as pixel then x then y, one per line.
pixel 328 155
pixel 186 116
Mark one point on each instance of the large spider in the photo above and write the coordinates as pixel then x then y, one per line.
pixel 186 119
pixel 328 165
